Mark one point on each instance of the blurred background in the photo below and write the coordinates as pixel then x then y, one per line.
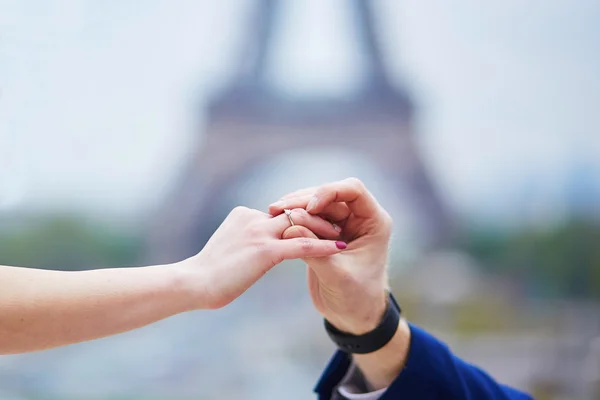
pixel 128 130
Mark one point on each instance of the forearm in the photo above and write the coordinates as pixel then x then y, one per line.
pixel 42 309
pixel 383 366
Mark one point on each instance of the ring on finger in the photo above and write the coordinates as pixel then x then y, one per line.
pixel 289 215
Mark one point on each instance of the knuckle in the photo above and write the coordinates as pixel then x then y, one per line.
pixel 385 227
pixel 245 213
pixel 263 249
pixel 355 182
pixel 254 231
pixel 322 191
pixel 260 242
pixel 386 221
pixel 240 210
pixel 356 186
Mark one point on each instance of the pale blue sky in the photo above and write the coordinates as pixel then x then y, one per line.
pixel 99 100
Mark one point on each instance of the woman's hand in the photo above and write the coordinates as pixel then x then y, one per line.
pixel 42 309
pixel 247 245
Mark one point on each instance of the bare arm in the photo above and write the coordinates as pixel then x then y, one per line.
pixel 42 309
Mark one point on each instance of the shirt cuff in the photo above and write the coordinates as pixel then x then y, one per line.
pixel 355 387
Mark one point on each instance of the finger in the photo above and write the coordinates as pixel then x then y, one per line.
pixel 316 266
pixel 351 191
pixel 334 212
pixel 303 247
pixel 290 203
pixel 297 231
pixel 315 223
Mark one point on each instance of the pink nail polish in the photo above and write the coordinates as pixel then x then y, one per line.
pixel 341 245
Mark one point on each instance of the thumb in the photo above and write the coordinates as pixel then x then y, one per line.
pixel 298 231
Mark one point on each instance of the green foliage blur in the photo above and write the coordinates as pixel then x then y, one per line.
pixel 68 242
pixel 562 261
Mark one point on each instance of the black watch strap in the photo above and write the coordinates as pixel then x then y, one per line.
pixel 370 341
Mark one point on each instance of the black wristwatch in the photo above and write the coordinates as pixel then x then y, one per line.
pixel 370 341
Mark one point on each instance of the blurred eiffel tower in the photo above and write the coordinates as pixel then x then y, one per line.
pixel 249 122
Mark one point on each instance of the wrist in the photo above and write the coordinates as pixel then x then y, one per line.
pixel 383 366
pixel 189 287
pixel 368 320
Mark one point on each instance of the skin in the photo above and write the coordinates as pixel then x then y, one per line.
pixel 350 289
pixel 43 309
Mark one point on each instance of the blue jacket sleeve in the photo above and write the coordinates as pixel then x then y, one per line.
pixel 431 372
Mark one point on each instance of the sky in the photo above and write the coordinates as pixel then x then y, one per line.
pixel 101 102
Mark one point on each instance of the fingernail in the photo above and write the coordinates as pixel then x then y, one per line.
pixel 341 245
pixel 337 228
pixel 311 204
pixel 276 204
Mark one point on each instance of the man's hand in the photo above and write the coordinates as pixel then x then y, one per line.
pixel 348 289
